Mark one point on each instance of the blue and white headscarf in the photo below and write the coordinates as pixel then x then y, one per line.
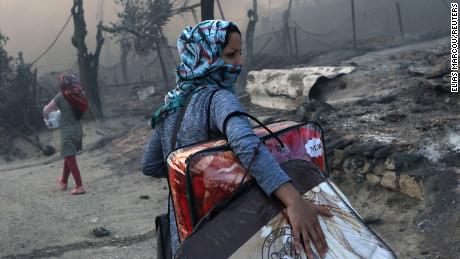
pixel 200 49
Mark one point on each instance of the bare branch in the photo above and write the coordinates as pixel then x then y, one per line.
pixel 118 29
pixel 99 40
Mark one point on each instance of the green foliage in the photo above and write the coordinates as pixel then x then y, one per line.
pixel 4 61
pixel 18 96
pixel 141 22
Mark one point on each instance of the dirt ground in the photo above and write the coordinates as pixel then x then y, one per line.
pixel 40 221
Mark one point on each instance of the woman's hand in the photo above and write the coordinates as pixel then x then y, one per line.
pixel 50 107
pixel 303 217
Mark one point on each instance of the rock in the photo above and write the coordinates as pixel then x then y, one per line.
pixel 379 169
pixel 356 166
pixel 409 186
pixel 389 180
pixel 377 99
pixel 452 159
pixel 386 99
pixel 402 161
pixel 372 220
pixel 420 109
pixel 101 232
pixel 446 78
pixel 439 70
pixel 372 178
pixel 301 114
pixel 367 149
pixel 284 88
pixel 382 152
pixel 419 70
pixel 393 117
pixel 324 85
pixel 49 150
pixel 363 167
pixel 390 164
pixel 347 166
pixel 144 93
pixel 336 172
pixel 439 86
pixel 364 102
pixel 341 143
pixel 360 178
pixel 338 158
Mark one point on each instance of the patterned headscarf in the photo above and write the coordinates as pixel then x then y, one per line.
pixel 73 92
pixel 200 50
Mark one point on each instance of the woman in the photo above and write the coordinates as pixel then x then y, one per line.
pixel 72 103
pixel 211 60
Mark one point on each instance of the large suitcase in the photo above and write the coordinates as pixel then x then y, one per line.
pixel 220 213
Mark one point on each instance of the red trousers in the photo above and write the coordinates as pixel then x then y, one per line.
pixel 70 166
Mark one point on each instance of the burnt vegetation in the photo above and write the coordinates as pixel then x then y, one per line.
pixel 19 99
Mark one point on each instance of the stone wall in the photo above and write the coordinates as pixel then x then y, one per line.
pixel 380 164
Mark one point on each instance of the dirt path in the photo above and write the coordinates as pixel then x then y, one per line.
pixel 45 222
pixel 40 221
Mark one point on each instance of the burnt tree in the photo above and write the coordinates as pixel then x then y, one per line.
pixel 19 112
pixel 250 31
pixel 207 10
pixel 88 63
pixel 286 35
pixel 124 50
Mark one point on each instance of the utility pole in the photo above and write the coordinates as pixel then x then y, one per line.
pixel 162 64
pixel 401 30
pixel 295 44
pixel 353 22
pixel 220 10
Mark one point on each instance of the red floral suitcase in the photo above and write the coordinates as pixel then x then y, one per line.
pixel 204 174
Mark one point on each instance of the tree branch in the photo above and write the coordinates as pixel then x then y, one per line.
pixel 118 29
pixel 99 40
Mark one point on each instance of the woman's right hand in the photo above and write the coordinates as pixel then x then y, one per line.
pixel 303 217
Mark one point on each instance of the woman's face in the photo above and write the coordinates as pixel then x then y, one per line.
pixel 231 54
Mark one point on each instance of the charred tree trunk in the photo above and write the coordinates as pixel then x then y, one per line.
pixel 88 63
pixel 250 31
pixel 162 64
pixel 124 50
pixel 207 10
pixel 286 32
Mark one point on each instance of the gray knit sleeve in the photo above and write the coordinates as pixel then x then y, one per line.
pixel 153 161
pixel 243 142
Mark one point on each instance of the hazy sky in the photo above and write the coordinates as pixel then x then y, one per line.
pixel 32 25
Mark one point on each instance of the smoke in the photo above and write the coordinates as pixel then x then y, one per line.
pixel 320 25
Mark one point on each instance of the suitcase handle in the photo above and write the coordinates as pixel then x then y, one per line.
pixel 238 113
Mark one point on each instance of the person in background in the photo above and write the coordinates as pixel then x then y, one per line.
pixel 72 103
pixel 211 61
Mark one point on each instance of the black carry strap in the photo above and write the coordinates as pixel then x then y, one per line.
pixel 239 113
pixel 181 115
pixel 178 125
pixel 179 122
pixel 210 135
pixel 191 201
pixel 256 150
